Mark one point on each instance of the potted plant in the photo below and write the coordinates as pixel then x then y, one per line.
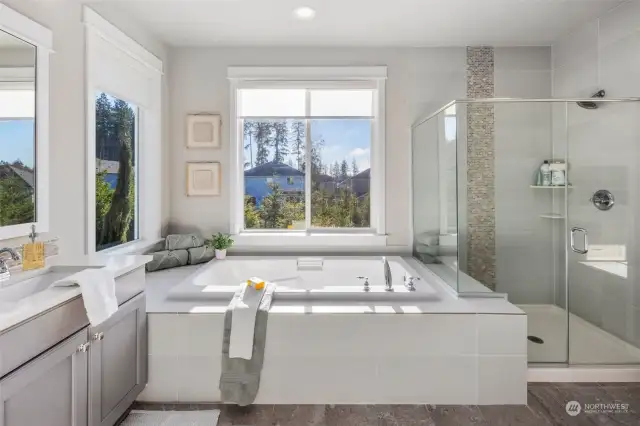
pixel 220 243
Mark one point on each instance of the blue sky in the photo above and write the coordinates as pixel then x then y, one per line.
pixel 17 141
pixel 344 139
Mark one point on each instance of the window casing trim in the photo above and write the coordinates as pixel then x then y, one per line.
pixel 310 78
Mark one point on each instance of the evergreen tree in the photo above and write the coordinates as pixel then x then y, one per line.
pixel 280 141
pixel 271 209
pixel 118 218
pixel 335 170
pixel 354 167
pixel 298 142
pixel 249 128
pixel 16 201
pixel 344 170
pixel 104 126
pixel 262 135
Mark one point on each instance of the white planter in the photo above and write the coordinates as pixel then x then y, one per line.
pixel 221 254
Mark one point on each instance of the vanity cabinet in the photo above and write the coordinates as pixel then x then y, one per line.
pixel 89 376
pixel 117 362
pixel 51 389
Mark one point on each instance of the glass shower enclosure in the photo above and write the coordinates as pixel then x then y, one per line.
pixel 538 200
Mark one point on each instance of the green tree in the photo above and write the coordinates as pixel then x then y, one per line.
pixel 344 170
pixel 104 195
pixel 262 135
pixel 354 167
pixel 272 207
pixel 118 218
pixel 251 215
pixel 280 141
pixel 16 201
pixel 298 142
pixel 104 125
pixel 249 129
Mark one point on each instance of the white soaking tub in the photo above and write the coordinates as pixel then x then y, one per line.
pixel 331 278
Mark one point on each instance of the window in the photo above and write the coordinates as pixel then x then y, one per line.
pixel 310 153
pixel 124 141
pixel 116 172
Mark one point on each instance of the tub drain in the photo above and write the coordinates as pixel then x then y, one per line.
pixel 535 339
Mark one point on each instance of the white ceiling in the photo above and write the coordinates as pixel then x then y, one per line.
pixel 362 22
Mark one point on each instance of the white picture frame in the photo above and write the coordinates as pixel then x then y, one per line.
pixel 204 179
pixel 203 131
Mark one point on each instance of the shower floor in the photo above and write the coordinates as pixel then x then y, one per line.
pixel 589 344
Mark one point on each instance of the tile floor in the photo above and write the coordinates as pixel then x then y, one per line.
pixel 546 407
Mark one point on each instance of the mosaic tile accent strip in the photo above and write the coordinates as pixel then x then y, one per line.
pixel 481 235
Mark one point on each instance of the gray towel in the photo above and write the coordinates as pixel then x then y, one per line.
pixel 200 255
pixel 240 378
pixel 183 241
pixel 168 259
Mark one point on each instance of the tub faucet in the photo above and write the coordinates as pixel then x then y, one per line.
pixel 388 280
pixel 4 269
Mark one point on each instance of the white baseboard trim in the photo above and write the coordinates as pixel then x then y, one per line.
pixel 576 374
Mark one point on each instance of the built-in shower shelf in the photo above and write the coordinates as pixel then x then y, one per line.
pixel 552 216
pixel 550 186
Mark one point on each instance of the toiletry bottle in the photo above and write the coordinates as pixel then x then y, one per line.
pixel 558 177
pixel 545 170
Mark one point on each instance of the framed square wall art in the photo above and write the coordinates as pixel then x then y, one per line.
pixel 203 131
pixel 203 179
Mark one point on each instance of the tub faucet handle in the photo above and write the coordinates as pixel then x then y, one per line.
pixel 366 282
pixel 409 282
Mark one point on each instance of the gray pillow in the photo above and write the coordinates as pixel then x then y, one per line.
pixel 183 241
pixel 168 259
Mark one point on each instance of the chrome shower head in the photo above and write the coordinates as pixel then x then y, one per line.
pixel 589 104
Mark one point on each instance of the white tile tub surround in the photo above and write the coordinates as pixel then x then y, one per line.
pixel 349 359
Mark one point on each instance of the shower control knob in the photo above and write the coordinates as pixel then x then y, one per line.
pixel 366 282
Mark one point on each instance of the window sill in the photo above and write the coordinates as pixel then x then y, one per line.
pixel 132 247
pixel 319 240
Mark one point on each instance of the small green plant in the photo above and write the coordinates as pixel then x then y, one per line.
pixel 220 241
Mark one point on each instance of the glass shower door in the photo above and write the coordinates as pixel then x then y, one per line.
pixel 603 201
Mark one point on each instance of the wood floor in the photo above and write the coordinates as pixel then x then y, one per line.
pixel 546 406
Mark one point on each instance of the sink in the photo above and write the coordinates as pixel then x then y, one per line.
pixel 14 292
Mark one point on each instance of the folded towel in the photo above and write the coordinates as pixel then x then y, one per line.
pixel 183 241
pixel 168 259
pixel 243 307
pixel 98 288
pixel 240 378
pixel 200 255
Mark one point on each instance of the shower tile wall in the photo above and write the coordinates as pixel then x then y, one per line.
pixel 480 167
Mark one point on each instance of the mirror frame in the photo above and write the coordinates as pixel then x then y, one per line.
pixel 41 38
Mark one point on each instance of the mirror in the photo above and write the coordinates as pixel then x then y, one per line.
pixel 17 131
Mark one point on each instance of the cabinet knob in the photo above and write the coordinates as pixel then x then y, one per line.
pixel 84 347
pixel 98 336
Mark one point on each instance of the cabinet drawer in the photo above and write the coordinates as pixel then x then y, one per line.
pixel 35 336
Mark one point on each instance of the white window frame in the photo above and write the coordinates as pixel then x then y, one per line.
pixel 41 37
pixel 120 67
pixel 310 78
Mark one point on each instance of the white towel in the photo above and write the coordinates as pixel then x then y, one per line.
pixel 98 288
pixel 244 307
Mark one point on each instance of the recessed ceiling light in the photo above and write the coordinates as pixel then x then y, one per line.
pixel 304 12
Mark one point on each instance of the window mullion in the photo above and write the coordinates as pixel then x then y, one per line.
pixel 308 167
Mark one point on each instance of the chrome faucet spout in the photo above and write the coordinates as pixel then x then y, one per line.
pixel 4 269
pixel 388 280
pixel 14 254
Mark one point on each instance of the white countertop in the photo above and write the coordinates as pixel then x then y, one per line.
pixel 42 301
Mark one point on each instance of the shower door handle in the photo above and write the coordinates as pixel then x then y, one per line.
pixel 574 230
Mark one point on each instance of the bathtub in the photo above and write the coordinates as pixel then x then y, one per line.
pixel 306 279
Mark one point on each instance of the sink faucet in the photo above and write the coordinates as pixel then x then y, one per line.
pixel 388 280
pixel 4 269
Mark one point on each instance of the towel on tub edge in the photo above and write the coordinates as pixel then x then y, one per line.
pixel 240 378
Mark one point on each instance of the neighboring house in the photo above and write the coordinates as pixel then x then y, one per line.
pixel 359 183
pixel 258 179
pixel 112 168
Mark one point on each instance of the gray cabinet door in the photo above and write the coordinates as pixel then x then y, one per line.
pixel 49 390
pixel 117 362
